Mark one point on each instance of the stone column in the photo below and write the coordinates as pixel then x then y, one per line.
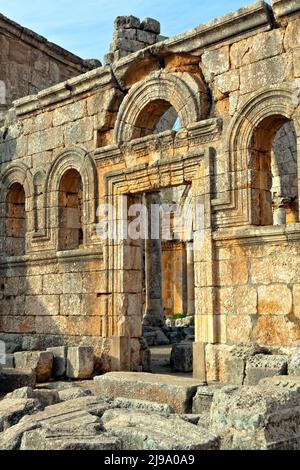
pixel 153 266
pixel 279 211
pixel 190 280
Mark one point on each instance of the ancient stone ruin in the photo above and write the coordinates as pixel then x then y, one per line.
pixel 207 122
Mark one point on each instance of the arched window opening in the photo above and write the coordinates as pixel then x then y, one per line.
pixel 285 176
pixel 15 221
pixel 70 234
pixel 158 116
pixel 274 179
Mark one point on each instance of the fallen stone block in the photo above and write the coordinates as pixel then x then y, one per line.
pixel 145 430
pixel 13 409
pixel 177 392
pixel 203 399
pixel 43 439
pixel 261 366
pixel 80 362
pixel 235 364
pixel 10 379
pixel 133 404
pixel 59 361
pixel 182 357
pixel 160 339
pixel 39 361
pixel 45 397
pixel 287 382
pixel 73 392
pixel 262 417
pixel 80 416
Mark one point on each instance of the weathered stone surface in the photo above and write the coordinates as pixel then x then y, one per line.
pixel 13 409
pixel 39 361
pixel 153 431
pixel 261 366
pixel 10 379
pixel 294 363
pixel 236 362
pixel 265 73
pixel 44 397
pixel 73 417
pixel 174 391
pixel 73 392
pixel 45 439
pixel 203 399
pixel 134 404
pixel 216 62
pixel 80 362
pixel 182 356
pixel 257 417
pixel 150 24
pixel 59 361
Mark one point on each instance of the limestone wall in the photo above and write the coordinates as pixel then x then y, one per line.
pixel 234 84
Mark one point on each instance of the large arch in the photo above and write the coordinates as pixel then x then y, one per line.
pixel 275 101
pixel 77 159
pixel 154 96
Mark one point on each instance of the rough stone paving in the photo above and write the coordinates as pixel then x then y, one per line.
pixel 207 119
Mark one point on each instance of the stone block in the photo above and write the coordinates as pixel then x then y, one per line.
pixel 176 392
pixel 59 361
pixel 294 363
pixel 80 362
pixel 39 361
pixel 261 417
pixel 262 366
pixel 235 370
pixel 73 392
pixel 10 379
pixel 203 399
pixel 43 396
pixel 285 7
pixel 151 25
pixel 13 409
pixel 127 22
pixel 182 357
pixel 153 431
pixel 45 439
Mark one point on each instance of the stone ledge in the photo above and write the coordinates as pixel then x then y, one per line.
pixel 176 392
pixel 285 7
pixel 64 91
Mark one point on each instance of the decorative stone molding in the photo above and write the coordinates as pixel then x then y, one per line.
pixel 180 90
pixel 285 7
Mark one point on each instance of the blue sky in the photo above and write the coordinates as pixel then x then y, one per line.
pixel 85 27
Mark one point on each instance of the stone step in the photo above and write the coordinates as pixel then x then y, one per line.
pixel 177 392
